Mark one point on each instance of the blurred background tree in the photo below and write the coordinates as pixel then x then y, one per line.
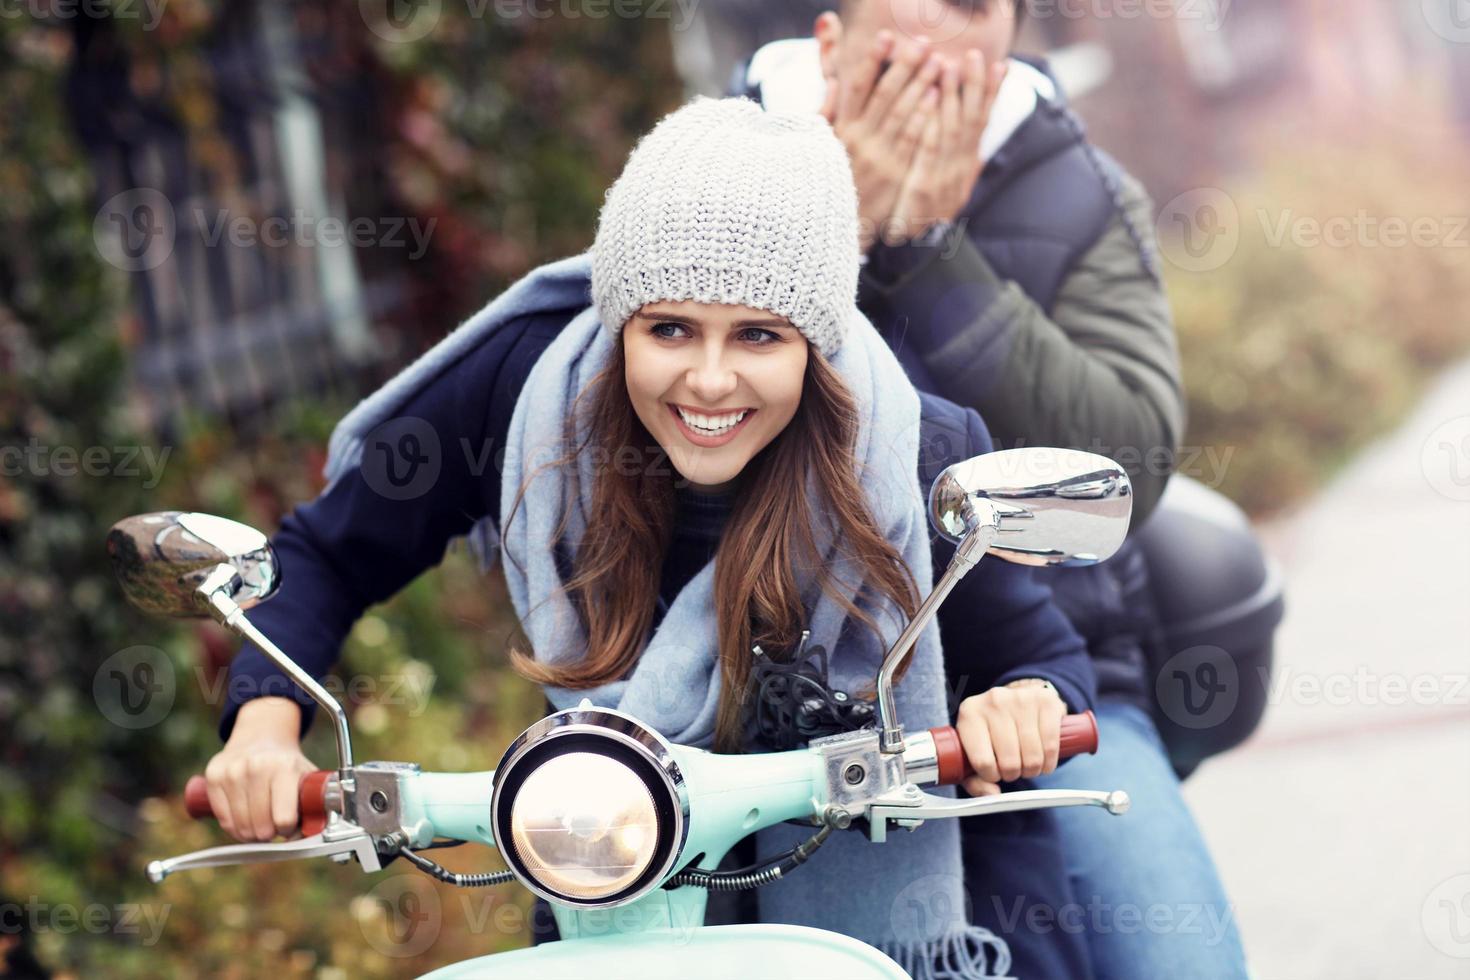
pixel 130 362
pixel 69 778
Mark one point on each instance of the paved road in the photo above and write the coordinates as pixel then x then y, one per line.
pixel 1343 827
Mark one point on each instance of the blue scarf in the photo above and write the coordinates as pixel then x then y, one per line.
pixel 905 896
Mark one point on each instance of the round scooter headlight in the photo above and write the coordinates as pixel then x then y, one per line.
pixel 585 825
pixel 589 807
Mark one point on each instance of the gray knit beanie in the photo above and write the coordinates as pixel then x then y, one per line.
pixel 724 202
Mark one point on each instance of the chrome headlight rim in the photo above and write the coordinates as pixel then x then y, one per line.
pixel 614 735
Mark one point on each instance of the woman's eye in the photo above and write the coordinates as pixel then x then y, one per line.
pixel 760 337
pixel 658 329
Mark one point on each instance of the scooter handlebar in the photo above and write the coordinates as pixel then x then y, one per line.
pixel 1079 737
pixel 312 800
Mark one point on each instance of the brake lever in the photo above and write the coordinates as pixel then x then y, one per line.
pixel 910 807
pixel 340 846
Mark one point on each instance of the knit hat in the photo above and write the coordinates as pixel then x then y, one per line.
pixel 725 202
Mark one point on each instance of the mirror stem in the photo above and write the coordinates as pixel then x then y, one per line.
pixel 983 524
pixel 223 608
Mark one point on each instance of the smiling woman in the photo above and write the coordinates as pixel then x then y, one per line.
pixel 704 377
pixel 725 288
pixel 742 406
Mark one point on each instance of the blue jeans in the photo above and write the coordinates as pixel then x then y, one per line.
pixel 1153 904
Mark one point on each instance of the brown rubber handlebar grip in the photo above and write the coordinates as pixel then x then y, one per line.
pixel 1079 737
pixel 312 800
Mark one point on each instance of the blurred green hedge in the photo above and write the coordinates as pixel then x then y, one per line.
pixel 85 802
pixel 1311 340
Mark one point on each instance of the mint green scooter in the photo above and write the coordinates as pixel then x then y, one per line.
pixel 592 810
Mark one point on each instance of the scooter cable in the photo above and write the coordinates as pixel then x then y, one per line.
pixel 436 870
pixel 741 880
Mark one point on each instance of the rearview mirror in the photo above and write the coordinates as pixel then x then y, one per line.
pixel 163 558
pixel 1054 506
pixel 1029 506
pixel 177 563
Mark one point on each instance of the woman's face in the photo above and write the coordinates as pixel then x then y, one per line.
pixel 713 383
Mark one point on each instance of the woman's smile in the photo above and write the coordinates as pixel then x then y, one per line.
pixel 708 429
pixel 713 376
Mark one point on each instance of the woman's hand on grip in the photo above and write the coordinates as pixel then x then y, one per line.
pixel 253 781
pixel 1010 732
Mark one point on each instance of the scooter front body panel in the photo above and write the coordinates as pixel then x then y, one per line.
pixel 708 952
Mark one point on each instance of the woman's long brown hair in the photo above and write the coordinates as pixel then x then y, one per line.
pixel 767 538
